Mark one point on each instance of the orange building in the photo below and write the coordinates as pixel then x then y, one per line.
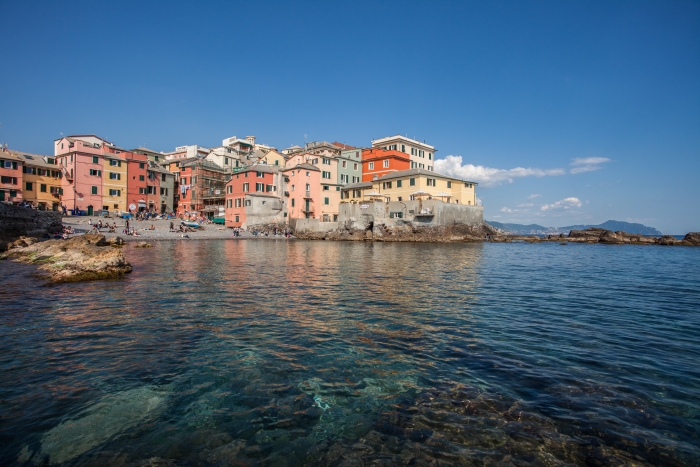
pixel 378 161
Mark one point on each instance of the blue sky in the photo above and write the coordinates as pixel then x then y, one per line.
pixel 565 112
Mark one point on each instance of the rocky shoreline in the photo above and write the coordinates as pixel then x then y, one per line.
pixel 486 233
pixel 81 258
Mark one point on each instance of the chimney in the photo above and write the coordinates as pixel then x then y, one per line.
pixel 250 139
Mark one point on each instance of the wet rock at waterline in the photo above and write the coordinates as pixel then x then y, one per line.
pixel 84 257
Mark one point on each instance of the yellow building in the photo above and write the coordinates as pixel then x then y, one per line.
pixel 41 181
pixel 273 158
pixel 114 183
pixel 405 185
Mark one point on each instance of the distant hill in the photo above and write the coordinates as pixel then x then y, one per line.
pixel 535 229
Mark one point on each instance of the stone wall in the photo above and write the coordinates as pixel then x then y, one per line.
pixel 311 225
pixel 18 221
pixel 426 213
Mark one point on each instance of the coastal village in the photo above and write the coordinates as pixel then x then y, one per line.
pixel 243 183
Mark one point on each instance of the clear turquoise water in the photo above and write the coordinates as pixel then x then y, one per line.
pixel 264 352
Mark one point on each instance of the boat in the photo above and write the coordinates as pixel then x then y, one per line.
pixel 192 224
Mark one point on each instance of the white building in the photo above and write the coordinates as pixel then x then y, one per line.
pixel 186 152
pixel 422 155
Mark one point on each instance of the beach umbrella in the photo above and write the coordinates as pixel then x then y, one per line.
pixel 420 193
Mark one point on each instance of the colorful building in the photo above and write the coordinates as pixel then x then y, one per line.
pixel 166 189
pixel 10 177
pixel 413 184
pixel 253 196
pixel 41 180
pixel 114 183
pixel 377 162
pixel 80 158
pixel 137 183
pixel 302 189
pixel 202 188
pixel 422 156
pixel 350 166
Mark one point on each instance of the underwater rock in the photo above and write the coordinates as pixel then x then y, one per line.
pixel 111 416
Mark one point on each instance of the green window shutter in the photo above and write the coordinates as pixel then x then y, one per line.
pixel 94 190
pixel 43 188
pixel 95 160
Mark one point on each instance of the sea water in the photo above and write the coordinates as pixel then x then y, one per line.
pixel 274 352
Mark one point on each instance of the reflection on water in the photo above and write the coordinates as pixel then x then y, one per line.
pixel 269 352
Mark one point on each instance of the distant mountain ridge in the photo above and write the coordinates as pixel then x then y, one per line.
pixel 535 229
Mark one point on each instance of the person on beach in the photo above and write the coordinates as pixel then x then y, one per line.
pixel 172 226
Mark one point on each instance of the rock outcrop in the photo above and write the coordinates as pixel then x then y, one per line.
pixel 81 258
pixel 692 238
pixel 16 221
pixel 406 233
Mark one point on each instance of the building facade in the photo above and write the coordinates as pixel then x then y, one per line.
pixel 41 181
pixel 412 184
pixel 377 162
pixel 114 183
pixel 202 188
pixel 350 166
pixel 421 155
pixel 253 196
pixel 302 190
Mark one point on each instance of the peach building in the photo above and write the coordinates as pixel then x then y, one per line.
pixel 377 162
pixel 10 177
pixel 302 189
pixel 80 157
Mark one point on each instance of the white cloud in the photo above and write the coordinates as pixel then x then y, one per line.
pixel 564 204
pixel 505 209
pixel 534 196
pixel 525 205
pixel 488 176
pixel 479 202
pixel 587 164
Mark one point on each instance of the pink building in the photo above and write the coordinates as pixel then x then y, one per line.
pixel 252 196
pixel 10 177
pixel 80 159
pixel 303 183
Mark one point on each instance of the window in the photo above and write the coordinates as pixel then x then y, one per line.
pixel 337 188
pixel 163 191
pixel 142 165
pixel 413 165
pixel 229 189
pixel 184 180
pixel 308 174
pixel 396 215
pixel 326 174
pixel 162 177
pixel 355 166
pixel 259 187
pixel 449 184
pixel 278 163
pixel 431 182
pixel 386 163
pixel 357 154
pixel 114 176
pixel 292 202
pixel 94 190
pixel 326 161
pixel 468 185
pixel 9 180
pixel 421 166
pixel 370 166
pixel 430 156
pixel 326 188
pixel 386 185
pixel 13 193
pixel 237 219
pixel 96 173
pixel 398 184
pixel 430 167
pixel 225 160
pixel 356 193
pixel 345 164
pixel 29 186
pixel 142 191
pixel 42 188
pixel 403 148
pixel 259 174
pixel 142 178
pixel 308 187
pixel 412 182
pixel 95 160
pixel 245 187
pixel 238 202
pixel 326 201
pixel 270 188
pixel 115 192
